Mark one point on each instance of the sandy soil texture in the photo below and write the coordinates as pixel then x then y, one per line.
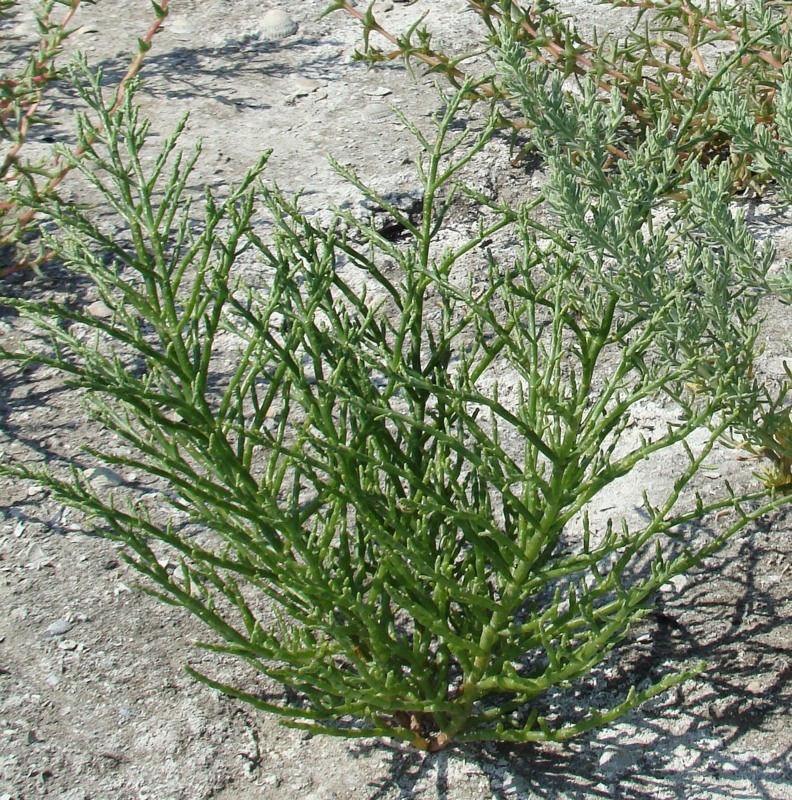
pixel 93 699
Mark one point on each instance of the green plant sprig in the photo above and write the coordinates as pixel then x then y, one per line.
pixel 21 96
pixel 402 471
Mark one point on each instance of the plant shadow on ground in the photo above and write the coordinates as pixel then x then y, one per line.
pixel 52 282
pixel 39 411
pixel 220 73
pixel 236 78
pixel 732 616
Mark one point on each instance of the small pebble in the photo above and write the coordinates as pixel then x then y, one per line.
pixel 58 628
pixel 36 558
pixel 321 794
pixel 714 712
pixel 305 85
pixel 103 477
pixel 677 584
pixel 617 760
pixel 754 687
pixel 99 310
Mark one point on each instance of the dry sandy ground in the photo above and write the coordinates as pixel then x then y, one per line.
pixel 100 707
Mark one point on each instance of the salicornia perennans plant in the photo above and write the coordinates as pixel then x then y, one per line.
pixel 401 456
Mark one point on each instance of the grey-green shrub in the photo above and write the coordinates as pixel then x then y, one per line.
pixel 657 66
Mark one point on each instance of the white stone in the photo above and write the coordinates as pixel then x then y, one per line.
pixel 103 477
pixel 58 628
